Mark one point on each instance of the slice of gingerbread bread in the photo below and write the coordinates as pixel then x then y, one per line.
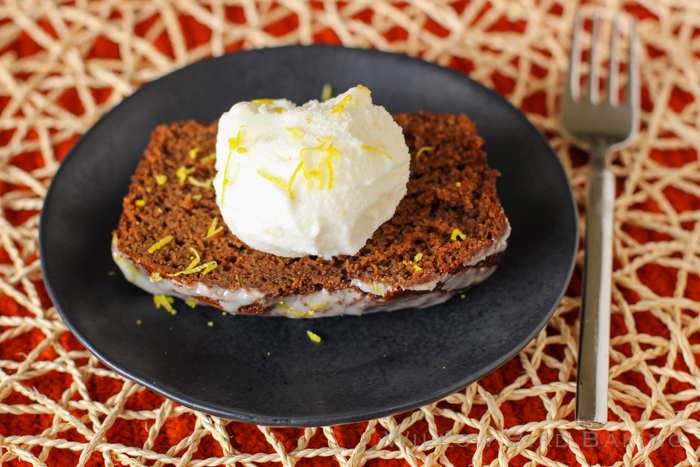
pixel 448 233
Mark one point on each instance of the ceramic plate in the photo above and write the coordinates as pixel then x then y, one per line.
pixel 266 370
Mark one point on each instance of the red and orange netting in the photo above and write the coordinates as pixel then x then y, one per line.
pixel 64 64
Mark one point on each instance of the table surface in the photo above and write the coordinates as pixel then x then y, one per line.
pixel 64 64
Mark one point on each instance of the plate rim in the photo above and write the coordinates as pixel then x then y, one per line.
pixel 333 420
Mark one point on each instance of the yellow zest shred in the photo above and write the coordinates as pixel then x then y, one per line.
pixel 414 263
pixel 331 153
pixel 155 277
pixel 193 153
pixel 370 148
pixel 232 143
pixel 148 189
pixel 379 290
pixel 364 88
pixel 195 259
pixel 423 149
pixel 192 302
pixel 241 150
pixel 183 172
pixel 129 266
pixel 197 197
pixel 457 233
pixel 326 93
pixel 341 104
pixel 294 312
pixel 208 158
pixel 165 302
pixel 206 268
pixel 140 202
pixel 263 101
pixel 161 243
pixel 313 336
pixel 213 230
pixel 274 180
pixel 458 184
pixel 294 133
pixel 160 211
pixel 138 321
pixel 279 109
pixel 318 307
pixel 291 179
pixel 205 184
pixel 210 323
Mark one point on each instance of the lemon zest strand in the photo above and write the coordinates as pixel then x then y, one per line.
pixel 206 184
pixel 232 143
pixel 213 230
pixel 423 149
pixel 326 93
pixel 161 179
pixel 364 88
pixel 161 243
pixel 294 312
pixel 341 104
pixel 263 101
pixel 182 172
pixel 205 267
pixel 294 133
pixel 195 260
pixel 192 302
pixel 457 233
pixel 370 148
pixel 318 307
pixel 313 336
pixel 274 180
pixel 291 179
pixel 193 152
pixel 279 109
pixel 414 263
pixel 155 277
pixel 165 302
pixel 209 157
pixel 140 202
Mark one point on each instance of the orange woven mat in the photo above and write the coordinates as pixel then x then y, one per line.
pixel 63 64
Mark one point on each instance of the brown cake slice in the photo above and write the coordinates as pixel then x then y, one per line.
pixel 448 233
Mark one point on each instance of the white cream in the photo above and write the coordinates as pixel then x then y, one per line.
pixel 323 303
pixel 318 179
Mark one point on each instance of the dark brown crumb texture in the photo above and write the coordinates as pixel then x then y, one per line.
pixel 450 187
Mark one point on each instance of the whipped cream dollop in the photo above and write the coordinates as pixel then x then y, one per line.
pixel 317 179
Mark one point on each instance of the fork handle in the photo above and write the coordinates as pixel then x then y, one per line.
pixel 594 346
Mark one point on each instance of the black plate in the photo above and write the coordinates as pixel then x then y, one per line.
pixel 266 370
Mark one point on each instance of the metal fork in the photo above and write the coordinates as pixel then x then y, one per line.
pixel 602 127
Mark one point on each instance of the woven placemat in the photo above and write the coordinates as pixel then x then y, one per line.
pixel 64 64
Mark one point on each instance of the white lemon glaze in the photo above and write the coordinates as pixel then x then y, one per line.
pixel 350 301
